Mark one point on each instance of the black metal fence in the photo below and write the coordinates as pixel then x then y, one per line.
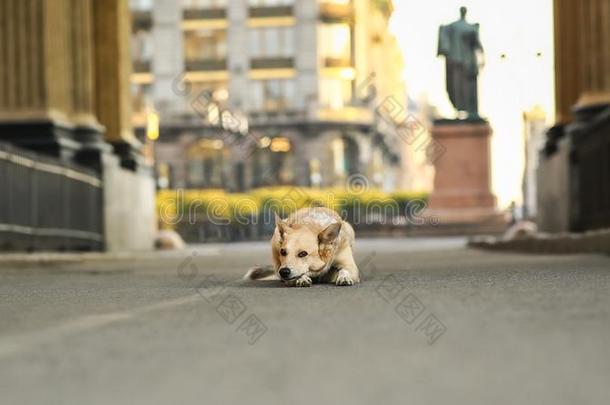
pixel 259 227
pixel 48 205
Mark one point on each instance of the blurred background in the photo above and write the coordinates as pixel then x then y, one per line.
pixel 130 124
pixel 145 146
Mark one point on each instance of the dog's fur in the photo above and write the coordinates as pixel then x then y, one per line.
pixel 310 246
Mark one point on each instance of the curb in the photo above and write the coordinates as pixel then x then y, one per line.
pixel 563 243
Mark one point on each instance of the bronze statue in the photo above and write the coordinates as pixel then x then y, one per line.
pixel 459 43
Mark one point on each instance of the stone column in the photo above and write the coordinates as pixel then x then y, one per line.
pixel 88 131
pixel 112 60
pixel 35 105
pixel 593 18
pixel 582 55
pixel 129 191
pixel 82 79
pixel 605 43
pixel 566 48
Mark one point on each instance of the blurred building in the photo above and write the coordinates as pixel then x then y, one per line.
pixel 417 169
pixel 267 92
pixel 71 171
pixel 574 171
pixel 534 134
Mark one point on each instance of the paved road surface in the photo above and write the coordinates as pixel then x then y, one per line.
pixel 432 323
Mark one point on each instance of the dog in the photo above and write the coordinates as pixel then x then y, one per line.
pixel 313 245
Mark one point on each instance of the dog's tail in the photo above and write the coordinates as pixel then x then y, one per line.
pixel 260 272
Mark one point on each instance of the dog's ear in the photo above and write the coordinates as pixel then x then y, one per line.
pixel 280 224
pixel 330 233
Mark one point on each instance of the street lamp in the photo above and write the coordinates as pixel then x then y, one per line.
pixel 152 126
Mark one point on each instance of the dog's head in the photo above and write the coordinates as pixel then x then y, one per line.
pixel 303 251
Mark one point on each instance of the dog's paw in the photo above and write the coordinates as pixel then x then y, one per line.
pixel 303 281
pixel 344 279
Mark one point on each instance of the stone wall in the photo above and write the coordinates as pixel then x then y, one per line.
pixel 129 208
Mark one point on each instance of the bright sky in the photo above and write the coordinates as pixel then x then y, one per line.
pixel 507 87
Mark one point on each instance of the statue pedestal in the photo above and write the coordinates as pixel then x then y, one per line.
pixel 462 181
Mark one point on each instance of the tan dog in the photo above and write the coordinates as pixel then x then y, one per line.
pixel 311 245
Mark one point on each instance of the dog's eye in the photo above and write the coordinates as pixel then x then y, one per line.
pixel 302 253
pixel 283 252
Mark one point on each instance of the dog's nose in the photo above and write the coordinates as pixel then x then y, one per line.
pixel 284 272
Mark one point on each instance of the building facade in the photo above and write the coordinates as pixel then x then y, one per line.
pixel 255 93
pixel 534 137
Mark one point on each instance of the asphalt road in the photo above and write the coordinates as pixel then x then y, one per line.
pixel 432 323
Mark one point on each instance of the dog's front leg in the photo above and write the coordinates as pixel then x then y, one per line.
pixel 303 281
pixel 347 272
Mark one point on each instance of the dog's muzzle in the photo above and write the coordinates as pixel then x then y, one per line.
pixel 285 273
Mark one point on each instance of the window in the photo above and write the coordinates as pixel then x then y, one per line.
pixel 203 4
pixel 273 165
pixel 270 3
pixel 205 162
pixel 141 96
pixel 335 41
pixel 205 172
pixel 205 44
pixel 217 91
pixel 272 42
pixel 335 93
pixel 271 95
pixel 142 46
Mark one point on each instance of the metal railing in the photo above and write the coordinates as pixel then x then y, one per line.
pixel 46 204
